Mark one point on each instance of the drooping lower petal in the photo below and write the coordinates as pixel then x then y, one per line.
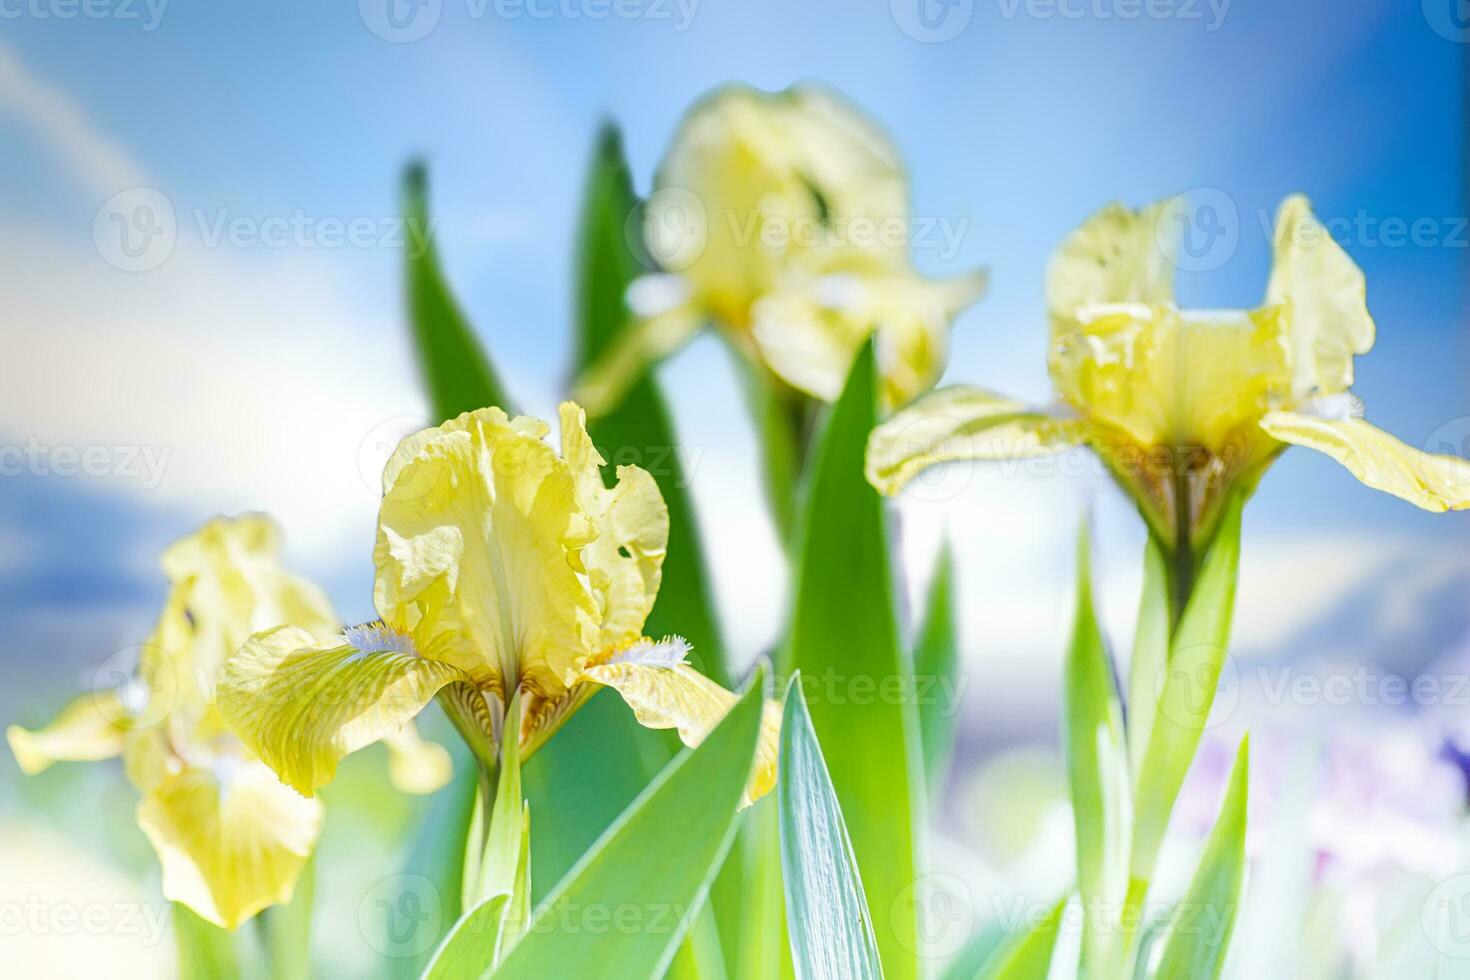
pixel 1429 480
pixel 89 728
pixel 302 705
pixel 232 839
pixel 665 692
pixel 962 423
pixel 809 330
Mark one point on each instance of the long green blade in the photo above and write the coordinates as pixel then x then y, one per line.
pixel 1150 653
pixel 623 909
pixel 827 914
pixel 1186 691
pixel 456 371
pixel 1027 955
pixel 844 640
pixel 1097 767
pixel 1200 933
pixel 936 668
pixel 468 951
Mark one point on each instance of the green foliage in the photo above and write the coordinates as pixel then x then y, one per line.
pixel 936 665
pixel 1097 767
pixel 456 372
pixel 1200 931
pixel 1027 954
pixel 783 419
pixel 287 930
pixel 1150 652
pixel 830 927
pixel 1186 692
pixel 469 949
pixel 845 641
pixel 206 952
pixel 655 863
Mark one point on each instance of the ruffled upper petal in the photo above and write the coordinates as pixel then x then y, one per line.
pixel 1428 480
pixel 809 330
pixel 1165 377
pixel 961 423
pixel 1118 255
pixel 301 705
pixel 478 543
pixel 1325 296
pixel 624 563
pixel 89 728
pixel 231 838
pixel 665 692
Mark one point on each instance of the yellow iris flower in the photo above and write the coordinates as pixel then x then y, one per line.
pixel 231 838
pixel 1184 406
pixel 783 218
pixel 501 566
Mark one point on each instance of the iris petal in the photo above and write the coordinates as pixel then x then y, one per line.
pixel 1429 480
pixel 961 423
pixel 231 838
pixel 301 704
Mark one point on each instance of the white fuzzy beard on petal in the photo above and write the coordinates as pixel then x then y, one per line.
pixel 1337 408
pixel 379 637
pixel 669 652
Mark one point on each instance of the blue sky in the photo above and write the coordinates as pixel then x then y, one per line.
pixel 263 371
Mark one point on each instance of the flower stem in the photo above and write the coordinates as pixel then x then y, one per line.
pixel 1183 566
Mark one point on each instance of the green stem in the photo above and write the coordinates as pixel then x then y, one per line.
pixel 1183 566
pixel 477 839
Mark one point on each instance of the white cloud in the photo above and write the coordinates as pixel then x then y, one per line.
pixel 243 375
pixel 92 158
